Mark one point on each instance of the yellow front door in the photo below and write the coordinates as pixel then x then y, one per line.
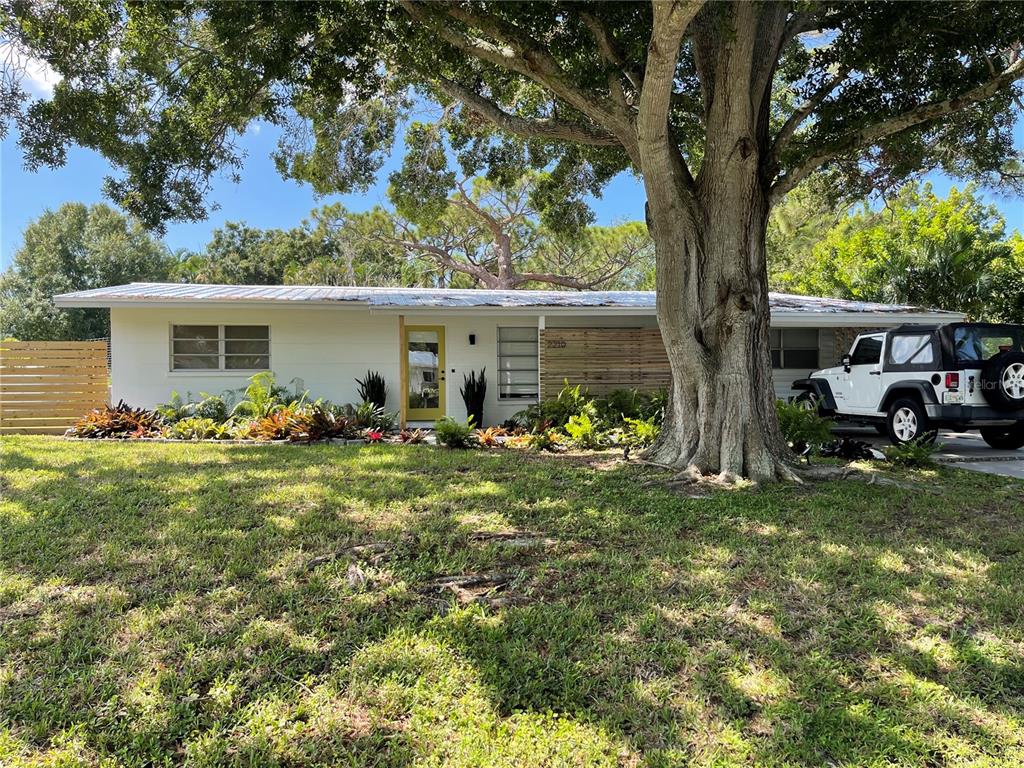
pixel 423 350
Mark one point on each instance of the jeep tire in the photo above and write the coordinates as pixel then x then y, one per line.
pixel 906 421
pixel 1004 438
pixel 1002 381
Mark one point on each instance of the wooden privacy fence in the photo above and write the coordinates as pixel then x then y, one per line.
pixel 602 359
pixel 45 386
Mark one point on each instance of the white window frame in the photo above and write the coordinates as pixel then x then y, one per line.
pixel 220 370
pixel 782 348
pixel 502 398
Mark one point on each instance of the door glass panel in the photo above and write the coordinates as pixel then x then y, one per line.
pixel 868 351
pixel 422 348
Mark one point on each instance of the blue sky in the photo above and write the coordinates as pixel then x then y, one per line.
pixel 264 199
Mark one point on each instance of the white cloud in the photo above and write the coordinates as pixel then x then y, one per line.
pixel 36 76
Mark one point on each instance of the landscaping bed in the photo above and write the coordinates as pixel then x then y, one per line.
pixel 201 604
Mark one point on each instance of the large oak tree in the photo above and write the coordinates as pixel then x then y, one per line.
pixel 722 108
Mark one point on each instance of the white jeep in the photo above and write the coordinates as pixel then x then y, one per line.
pixel 909 381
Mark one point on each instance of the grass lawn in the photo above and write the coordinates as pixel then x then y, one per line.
pixel 167 604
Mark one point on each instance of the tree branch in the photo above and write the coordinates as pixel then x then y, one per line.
pixel 911 118
pixel 800 114
pixel 522 55
pixel 671 20
pixel 610 50
pixel 548 129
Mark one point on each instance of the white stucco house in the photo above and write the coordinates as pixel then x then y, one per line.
pixel 211 338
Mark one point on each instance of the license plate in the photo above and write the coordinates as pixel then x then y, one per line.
pixel 952 397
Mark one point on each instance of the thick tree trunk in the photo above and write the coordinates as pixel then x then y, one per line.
pixel 721 417
pixel 709 235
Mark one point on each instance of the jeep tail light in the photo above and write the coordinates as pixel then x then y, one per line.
pixel 953 380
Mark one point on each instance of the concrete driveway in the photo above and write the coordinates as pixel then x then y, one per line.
pixel 961 449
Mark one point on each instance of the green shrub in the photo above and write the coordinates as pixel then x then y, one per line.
pixel 213 407
pixel 548 414
pixel 916 453
pixel 583 431
pixel 802 428
pixel 620 404
pixel 452 433
pixel 199 428
pixel 640 433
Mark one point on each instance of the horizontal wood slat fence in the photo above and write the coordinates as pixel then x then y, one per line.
pixel 602 359
pixel 45 386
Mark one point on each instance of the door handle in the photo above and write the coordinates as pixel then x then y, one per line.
pixel 875 373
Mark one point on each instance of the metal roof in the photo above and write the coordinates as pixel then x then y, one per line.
pixel 441 298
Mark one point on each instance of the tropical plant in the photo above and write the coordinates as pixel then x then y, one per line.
pixel 454 434
pixel 320 420
pixel 640 433
pixel 488 438
pixel 262 397
pixel 915 453
pixel 412 436
pixel 545 440
pixel 214 407
pixel 373 436
pixel 802 428
pixel 373 389
pixel 474 391
pixel 276 425
pixel 369 415
pixel 120 421
pixel 199 428
pixel 583 431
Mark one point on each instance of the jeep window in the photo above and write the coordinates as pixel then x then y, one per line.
pixel 911 350
pixel 868 351
pixel 794 348
pixel 978 344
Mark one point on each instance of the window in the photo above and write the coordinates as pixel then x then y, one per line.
pixel 911 350
pixel 868 351
pixel 517 364
pixel 979 343
pixel 220 347
pixel 794 348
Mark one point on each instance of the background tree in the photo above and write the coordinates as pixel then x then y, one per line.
pixel 75 248
pixel 489 235
pixel 680 92
pixel 916 249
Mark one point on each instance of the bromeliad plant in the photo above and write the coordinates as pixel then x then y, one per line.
pixel 120 421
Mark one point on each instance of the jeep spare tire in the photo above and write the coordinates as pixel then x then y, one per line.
pixel 1002 381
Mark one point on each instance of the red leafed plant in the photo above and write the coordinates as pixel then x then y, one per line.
pixel 273 426
pixel 373 436
pixel 119 420
pixel 412 436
